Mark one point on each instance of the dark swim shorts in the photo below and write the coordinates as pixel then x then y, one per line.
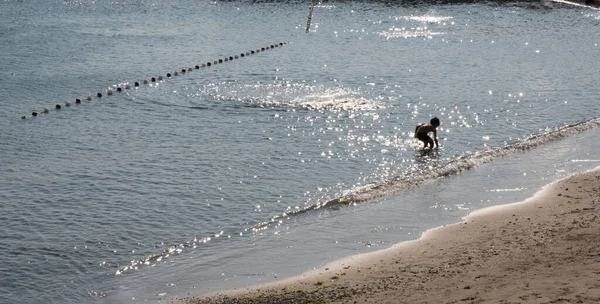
pixel 424 137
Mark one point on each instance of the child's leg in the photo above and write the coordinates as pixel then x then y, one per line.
pixel 425 139
pixel 429 141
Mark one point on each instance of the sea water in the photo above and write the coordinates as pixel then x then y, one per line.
pixel 296 151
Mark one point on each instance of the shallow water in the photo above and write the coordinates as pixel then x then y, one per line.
pixel 269 164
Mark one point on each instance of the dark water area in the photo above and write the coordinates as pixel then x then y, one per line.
pixel 296 149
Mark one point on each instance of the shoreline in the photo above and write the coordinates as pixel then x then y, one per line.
pixel 541 250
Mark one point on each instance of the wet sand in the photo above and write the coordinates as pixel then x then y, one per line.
pixel 543 250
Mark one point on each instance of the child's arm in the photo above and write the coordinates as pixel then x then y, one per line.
pixel 435 138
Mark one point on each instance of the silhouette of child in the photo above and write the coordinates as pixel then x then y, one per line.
pixel 423 129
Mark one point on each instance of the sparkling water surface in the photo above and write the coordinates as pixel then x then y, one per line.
pixel 272 163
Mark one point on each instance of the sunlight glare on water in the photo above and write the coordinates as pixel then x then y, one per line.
pixel 265 165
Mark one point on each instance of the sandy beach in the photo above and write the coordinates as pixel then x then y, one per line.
pixel 543 250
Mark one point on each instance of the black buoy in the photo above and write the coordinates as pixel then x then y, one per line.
pixel 197 67
pixel 182 70
pixel 34 114
pixel 153 79
pixel 230 58
pixel 242 54
pixel 77 100
pixel 169 75
pixel 220 60
pixel 119 89
pixel 137 84
pixel 58 107
pixel 99 94
pixel 208 64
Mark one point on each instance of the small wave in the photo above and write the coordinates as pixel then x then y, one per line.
pixel 426 18
pixel 166 253
pixel 335 99
pixel 576 4
pixel 507 190
pixel 418 32
pixel 410 180
pixel 166 104
pixel 400 183
pixel 585 160
pixel 301 96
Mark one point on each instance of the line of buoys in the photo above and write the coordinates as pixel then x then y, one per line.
pixel 126 86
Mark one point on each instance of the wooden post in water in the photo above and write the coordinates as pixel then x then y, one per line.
pixel 310 11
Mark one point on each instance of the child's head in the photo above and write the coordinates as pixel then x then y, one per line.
pixel 435 122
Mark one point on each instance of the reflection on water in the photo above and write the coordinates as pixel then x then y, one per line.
pixel 270 165
pixel 419 32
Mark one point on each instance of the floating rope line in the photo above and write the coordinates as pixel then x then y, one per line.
pixel 126 86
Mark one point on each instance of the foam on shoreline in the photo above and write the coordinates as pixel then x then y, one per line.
pixel 542 248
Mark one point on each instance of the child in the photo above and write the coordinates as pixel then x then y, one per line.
pixel 424 128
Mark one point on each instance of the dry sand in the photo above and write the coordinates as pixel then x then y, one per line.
pixel 543 250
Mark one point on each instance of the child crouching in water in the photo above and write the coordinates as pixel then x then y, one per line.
pixel 424 128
